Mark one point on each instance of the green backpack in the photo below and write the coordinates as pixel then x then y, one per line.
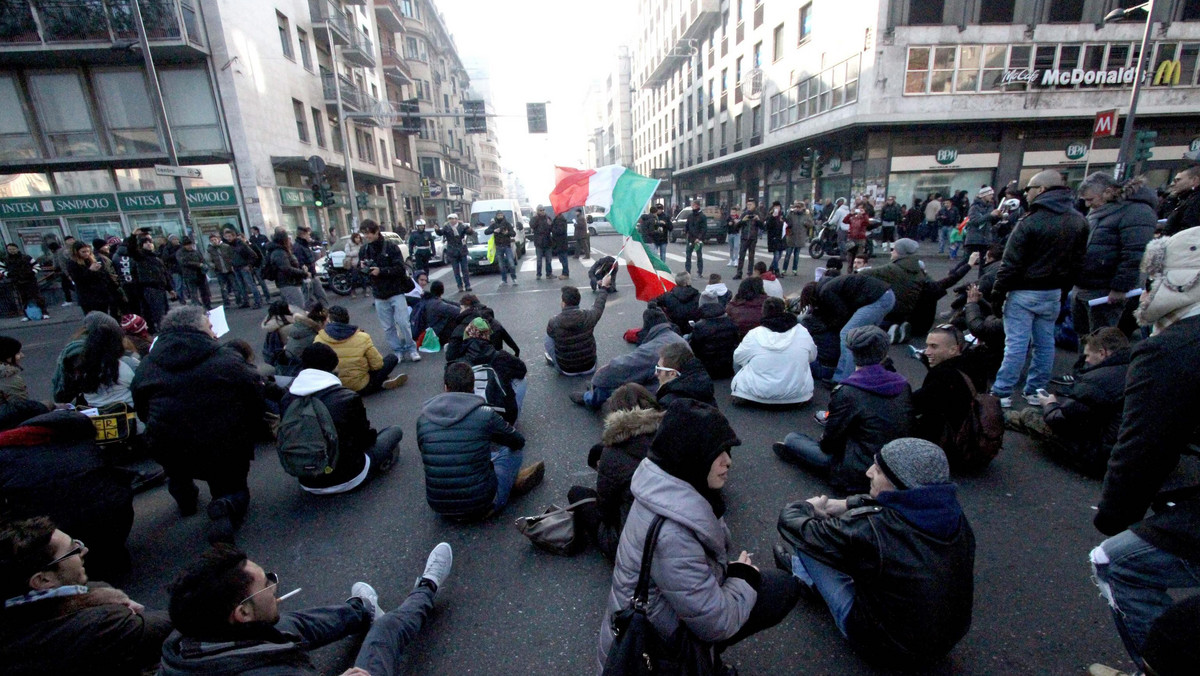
pixel 308 440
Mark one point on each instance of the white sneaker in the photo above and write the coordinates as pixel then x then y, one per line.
pixel 369 597
pixel 1005 402
pixel 24 319
pixel 414 356
pixel 437 566
pixel 67 304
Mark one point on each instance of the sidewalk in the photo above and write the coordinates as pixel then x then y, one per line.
pixel 70 315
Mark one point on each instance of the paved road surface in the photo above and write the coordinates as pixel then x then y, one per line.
pixel 510 609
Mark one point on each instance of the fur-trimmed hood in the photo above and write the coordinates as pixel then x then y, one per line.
pixel 621 426
pixel 1174 265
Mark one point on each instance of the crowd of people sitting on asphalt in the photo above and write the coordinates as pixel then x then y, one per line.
pixel 888 548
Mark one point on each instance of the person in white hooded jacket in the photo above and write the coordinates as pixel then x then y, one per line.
pixel 361 450
pixel 772 361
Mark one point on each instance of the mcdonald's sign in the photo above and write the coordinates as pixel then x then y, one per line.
pixel 1168 73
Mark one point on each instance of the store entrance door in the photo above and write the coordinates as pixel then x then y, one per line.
pixel 33 235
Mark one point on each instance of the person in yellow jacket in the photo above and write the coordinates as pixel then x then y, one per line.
pixel 360 366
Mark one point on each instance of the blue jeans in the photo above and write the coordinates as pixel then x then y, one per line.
pixel 596 396
pixel 246 285
pixel 180 287
pixel 508 265
pixel 734 245
pixel 226 281
pixel 562 260
pixel 459 263
pixel 1134 576
pixel 698 247
pixel 1028 318
pixel 385 442
pixel 548 344
pixel 836 587
pixel 386 637
pixel 506 463
pixel 520 387
pixel 867 315
pixel 943 238
pixel 543 254
pixel 393 317
pixel 792 253
pixel 662 251
pixel 807 451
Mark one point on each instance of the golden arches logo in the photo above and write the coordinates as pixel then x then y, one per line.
pixel 1168 73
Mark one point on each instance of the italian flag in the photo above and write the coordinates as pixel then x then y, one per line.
pixel 624 195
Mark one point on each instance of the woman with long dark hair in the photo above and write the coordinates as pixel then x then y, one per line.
pixel 105 368
pixel 93 285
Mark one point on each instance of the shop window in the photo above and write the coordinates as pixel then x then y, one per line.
pixel 994 57
pixel 16 142
pixel 806 23
pixel 301 122
pixel 125 106
pixel 1188 57
pixel 942 75
pixel 1066 11
pixel 24 185
pixel 996 11
pixel 916 74
pixel 142 178
pixel 191 110
pixel 76 182
pixel 925 12
pixel 63 109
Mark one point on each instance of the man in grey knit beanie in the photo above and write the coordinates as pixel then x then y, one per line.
pixel 896 567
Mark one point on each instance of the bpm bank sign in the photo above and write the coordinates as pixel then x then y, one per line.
pixel 1069 78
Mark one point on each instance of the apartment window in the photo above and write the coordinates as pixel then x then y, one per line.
pixel 777 44
pixel 997 11
pixel 66 119
pixel 724 135
pixel 125 106
pixel 318 127
pixel 806 22
pixel 305 54
pixel 758 13
pixel 285 35
pixel 737 132
pixel 335 135
pixel 925 12
pixel 1066 11
pixel 383 153
pixel 739 10
pixel 429 167
pixel 833 87
pixel 757 55
pixel 408 9
pixel 710 143
pixel 192 110
pixel 301 122
pixel 1190 10
pixel 756 125
pixel 16 142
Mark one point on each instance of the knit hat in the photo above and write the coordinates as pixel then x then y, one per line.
pixel 906 247
pixel 868 344
pixel 910 463
pixel 478 328
pixel 689 438
pixel 1174 265
pixel 9 347
pixel 319 356
pixel 133 324
pixel 985 191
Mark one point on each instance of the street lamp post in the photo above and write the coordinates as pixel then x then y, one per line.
pixel 1124 157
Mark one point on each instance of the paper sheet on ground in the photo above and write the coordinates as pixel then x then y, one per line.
pixel 216 317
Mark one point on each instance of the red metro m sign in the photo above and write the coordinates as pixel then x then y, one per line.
pixel 1105 124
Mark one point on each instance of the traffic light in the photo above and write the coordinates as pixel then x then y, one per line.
pixel 361 199
pixel 806 167
pixel 411 122
pixel 1143 144
pixel 327 198
pixel 318 195
pixel 474 117
pixel 535 113
pixel 817 171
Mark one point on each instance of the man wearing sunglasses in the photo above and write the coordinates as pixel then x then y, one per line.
pixel 56 621
pixel 226 614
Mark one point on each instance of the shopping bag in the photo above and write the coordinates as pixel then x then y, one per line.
pixel 430 342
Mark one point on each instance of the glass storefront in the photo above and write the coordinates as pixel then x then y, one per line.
pixel 32 235
pixel 161 224
pixel 213 222
pixel 88 228
pixel 920 184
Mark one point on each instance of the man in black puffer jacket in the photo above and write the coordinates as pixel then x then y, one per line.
pixel 51 466
pixel 681 304
pixel 1082 426
pixel 1122 220
pixel 570 343
pixel 362 451
pixel 202 406
pixel 477 350
pixel 896 567
pixel 472 456
pixel 713 340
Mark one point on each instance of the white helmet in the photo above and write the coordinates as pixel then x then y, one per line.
pixel 1011 204
pixel 421 222
pixel 452 216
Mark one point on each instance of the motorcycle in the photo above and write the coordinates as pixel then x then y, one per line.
pixel 341 278
pixel 826 241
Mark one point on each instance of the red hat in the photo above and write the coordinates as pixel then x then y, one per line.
pixel 133 324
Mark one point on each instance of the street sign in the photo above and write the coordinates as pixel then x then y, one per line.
pixel 181 172
pixel 1106 123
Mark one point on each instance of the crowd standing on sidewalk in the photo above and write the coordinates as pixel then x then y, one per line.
pixel 887 548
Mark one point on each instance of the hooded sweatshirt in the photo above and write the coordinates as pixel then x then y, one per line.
pixel 354 431
pixel 356 352
pixel 771 285
pixel 870 408
pixel 716 293
pixel 772 363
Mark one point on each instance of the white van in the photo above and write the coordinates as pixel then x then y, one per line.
pixel 483 211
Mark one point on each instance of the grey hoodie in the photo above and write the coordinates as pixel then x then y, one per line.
pixel 688 572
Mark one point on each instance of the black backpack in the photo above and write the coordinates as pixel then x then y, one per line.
pixel 308 439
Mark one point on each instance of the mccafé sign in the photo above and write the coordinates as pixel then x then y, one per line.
pixel 1065 78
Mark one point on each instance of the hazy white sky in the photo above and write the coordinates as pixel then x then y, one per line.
pixel 538 50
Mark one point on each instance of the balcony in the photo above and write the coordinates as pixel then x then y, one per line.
pixel 388 16
pixel 352 98
pixel 394 68
pixel 329 22
pixel 33 32
pixel 359 51
pixel 355 2
pixel 695 22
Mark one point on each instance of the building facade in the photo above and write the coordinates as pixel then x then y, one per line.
pixel 251 92
pixel 906 97
pixel 609 107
